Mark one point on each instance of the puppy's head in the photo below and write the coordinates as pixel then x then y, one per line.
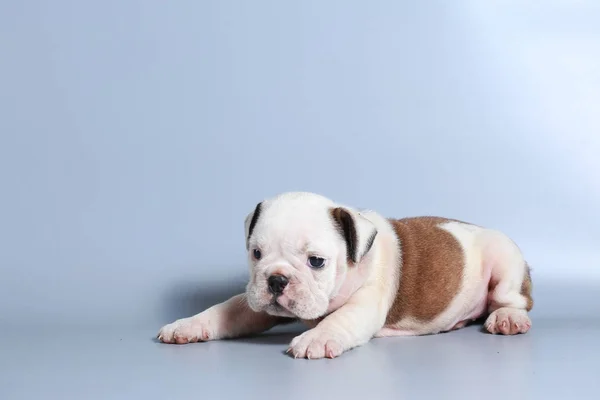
pixel 300 248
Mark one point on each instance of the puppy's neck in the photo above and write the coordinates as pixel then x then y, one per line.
pixel 366 272
pixel 355 278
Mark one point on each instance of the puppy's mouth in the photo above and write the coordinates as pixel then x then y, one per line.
pixel 280 304
pixel 274 302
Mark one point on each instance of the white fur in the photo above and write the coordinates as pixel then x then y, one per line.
pixel 346 303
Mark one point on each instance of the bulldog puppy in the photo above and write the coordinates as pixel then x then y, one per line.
pixel 353 275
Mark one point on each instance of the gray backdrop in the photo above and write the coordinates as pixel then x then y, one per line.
pixel 135 136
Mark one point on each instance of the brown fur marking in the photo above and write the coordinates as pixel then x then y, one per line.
pixel 431 270
pixel 526 288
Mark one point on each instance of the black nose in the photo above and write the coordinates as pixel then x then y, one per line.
pixel 277 283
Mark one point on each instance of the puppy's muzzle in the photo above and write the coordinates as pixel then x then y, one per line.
pixel 277 283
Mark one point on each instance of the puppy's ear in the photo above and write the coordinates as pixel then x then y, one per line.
pixel 358 232
pixel 250 222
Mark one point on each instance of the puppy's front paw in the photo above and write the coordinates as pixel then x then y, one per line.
pixel 316 343
pixel 185 330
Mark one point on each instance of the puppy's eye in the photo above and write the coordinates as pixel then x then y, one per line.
pixel 257 254
pixel 316 262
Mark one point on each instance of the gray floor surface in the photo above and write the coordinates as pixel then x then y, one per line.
pixel 555 360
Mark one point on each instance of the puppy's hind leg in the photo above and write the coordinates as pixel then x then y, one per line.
pixel 509 298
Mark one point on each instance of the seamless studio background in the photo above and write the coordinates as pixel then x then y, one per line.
pixel 136 136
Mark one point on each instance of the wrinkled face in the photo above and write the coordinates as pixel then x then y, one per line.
pixel 300 247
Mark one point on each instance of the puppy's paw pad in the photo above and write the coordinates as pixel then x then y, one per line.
pixel 508 321
pixel 184 331
pixel 315 344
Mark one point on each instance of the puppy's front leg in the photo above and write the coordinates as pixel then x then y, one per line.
pixel 351 325
pixel 229 319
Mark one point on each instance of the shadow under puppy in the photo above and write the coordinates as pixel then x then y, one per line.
pixel 353 275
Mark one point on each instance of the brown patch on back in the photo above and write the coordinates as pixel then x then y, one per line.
pixel 431 271
pixel 526 288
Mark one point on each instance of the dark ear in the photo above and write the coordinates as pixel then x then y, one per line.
pixel 250 222
pixel 358 232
